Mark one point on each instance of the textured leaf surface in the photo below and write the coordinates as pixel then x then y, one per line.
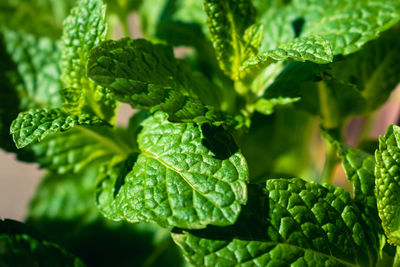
pixel 37 77
pixel 309 48
pixel 387 183
pixel 227 23
pixel 348 25
pixel 147 76
pixel 22 246
pixel 35 125
pixel 359 167
pixel 186 176
pixel 83 29
pixel 306 224
pixel 69 151
pixel 64 209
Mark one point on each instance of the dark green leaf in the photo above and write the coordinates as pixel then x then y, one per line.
pixel 305 224
pixel 22 246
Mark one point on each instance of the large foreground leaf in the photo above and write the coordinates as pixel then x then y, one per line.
pixel 186 176
pixel 304 224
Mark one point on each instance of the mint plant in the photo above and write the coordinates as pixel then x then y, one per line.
pixel 214 168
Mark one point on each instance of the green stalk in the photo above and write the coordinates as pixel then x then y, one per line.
pixel 396 261
pixel 331 161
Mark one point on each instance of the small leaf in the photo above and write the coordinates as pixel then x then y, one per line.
pixel 304 224
pixel 35 125
pixel 228 22
pixel 387 183
pixel 83 29
pixel 311 48
pixel 69 152
pixel 22 246
pixel 266 106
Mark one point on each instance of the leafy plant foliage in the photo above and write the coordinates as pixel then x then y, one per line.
pixel 204 170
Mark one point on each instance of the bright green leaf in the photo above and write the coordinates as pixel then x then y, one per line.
pixel 310 48
pixel 37 124
pixel 83 29
pixel 228 22
pixel 147 76
pixel 69 151
pixel 266 106
pixel 346 24
pixel 305 224
pixel 22 246
pixel 185 176
pixel 387 183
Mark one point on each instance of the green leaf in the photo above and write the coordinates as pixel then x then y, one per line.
pixel 266 106
pixel 64 209
pixel 346 24
pixel 109 183
pixel 147 76
pixel 353 85
pixel 304 224
pixel 310 48
pixel 228 22
pixel 69 151
pixel 359 167
pixel 387 183
pixel 36 77
pixel 37 124
pixel 186 176
pixel 374 71
pixel 84 29
pixel 22 15
pixel 22 246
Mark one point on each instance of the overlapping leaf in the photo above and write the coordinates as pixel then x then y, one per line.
pixel 387 184
pixel 147 76
pixel 185 176
pixel 83 29
pixel 347 25
pixel 306 224
pixel 37 124
pixel 22 246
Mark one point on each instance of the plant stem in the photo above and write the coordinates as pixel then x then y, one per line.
pixel 396 261
pixel 331 161
pixel 125 25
